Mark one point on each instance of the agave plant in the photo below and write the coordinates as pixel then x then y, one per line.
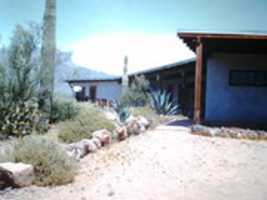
pixel 162 103
pixel 123 110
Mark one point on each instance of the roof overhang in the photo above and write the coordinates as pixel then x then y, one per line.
pixel 93 80
pixel 230 40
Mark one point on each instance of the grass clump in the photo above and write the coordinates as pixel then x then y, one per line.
pixel 51 164
pixel 151 115
pixel 7 151
pixel 89 120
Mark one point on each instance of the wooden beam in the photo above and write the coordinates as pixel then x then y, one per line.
pixel 219 36
pixel 198 82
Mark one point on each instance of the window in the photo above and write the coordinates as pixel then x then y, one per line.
pixel 248 78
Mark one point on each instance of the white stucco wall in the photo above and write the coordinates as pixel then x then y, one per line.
pixel 110 90
pixel 225 103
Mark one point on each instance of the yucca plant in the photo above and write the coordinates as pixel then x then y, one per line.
pixel 123 110
pixel 162 103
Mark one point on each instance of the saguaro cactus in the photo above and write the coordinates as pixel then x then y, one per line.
pixel 48 54
pixel 125 79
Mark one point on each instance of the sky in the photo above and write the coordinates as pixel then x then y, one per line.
pixel 101 32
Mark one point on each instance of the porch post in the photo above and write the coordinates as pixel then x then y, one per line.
pixel 198 82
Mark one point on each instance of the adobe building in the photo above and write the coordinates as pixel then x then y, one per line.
pixel 230 77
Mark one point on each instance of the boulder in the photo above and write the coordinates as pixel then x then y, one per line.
pixel 144 122
pixel 200 130
pixel 133 126
pixel 6 179
pixel 90 145
pixel 122 133
pixel 97 142
pixel 16 175
pixel 104 136
pixel 78 150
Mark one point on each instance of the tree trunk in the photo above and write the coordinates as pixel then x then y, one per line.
pixel 48 57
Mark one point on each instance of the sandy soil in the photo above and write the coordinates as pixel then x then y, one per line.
pixel 165 164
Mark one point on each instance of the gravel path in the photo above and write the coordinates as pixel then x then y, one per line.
pixel 165 164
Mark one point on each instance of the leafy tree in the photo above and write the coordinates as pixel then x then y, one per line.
pixel 19 71
pixel 18 85
pixel 48 55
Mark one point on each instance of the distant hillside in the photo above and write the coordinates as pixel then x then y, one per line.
pixel 68 70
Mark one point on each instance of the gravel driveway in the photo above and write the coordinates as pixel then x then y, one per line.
pixel 165 164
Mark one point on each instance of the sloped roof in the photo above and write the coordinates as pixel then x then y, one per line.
pixel 253 38
pixel 164 67
pixel 240 33
pixel 148 71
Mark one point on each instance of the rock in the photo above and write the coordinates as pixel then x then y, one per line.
pixel 144 121
pixel 112 116
pixel 6 179
pixel 104 136
pixel 91 146
pixel 97 142
pixel 200 130
pixel 133 126
pixel 121 133
pixel 78 150
pixel 214 132
pixel 111 193
pixel 16 175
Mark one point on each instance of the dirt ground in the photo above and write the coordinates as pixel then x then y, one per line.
pixel 165 164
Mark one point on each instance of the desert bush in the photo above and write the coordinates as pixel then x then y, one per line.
pixel 88 120
pixel 18 85
pixel 63 109
pixel 137 94
pixel 52 166
pixel 161 102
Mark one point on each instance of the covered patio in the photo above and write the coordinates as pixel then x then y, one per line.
pixel 230 77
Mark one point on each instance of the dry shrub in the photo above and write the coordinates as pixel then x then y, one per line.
pixel 51 163
pixel 90 119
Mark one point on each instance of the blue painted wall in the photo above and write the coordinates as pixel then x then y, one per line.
pixel 105 90
pixel 225 103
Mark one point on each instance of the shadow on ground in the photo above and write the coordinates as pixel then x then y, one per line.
pixel 184 122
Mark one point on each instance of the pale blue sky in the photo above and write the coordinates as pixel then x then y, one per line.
pixel 85 20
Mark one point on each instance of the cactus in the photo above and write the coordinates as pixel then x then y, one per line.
pixel 19 119
pixel 161 102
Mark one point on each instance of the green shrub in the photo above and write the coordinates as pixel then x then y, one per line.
pixel 63 109
pixel 89 120
pixel 19 119
pixel 51 164
pixel 137 94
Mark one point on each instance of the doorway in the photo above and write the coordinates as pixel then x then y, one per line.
pixel 92 93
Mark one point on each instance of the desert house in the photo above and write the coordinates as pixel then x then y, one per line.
pixel 230 77
pixel 176 78
pixel 107 89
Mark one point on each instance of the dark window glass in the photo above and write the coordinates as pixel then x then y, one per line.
pixel 248 78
